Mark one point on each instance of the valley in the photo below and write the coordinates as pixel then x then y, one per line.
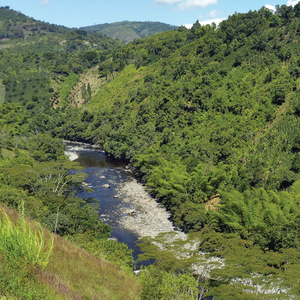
pixel 207 122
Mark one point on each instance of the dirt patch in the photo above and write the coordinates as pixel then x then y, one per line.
pixel 213 203
pixel 5 46
pixel 90 77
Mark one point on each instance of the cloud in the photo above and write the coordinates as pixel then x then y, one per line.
pixel 44 3
pixel 270 7
pixel 217 21
pixel 188 26
pixel 186 4
pixel 291 2
pixel 213 14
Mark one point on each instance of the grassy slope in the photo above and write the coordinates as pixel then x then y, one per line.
pixel 117 89
pixel 74 274
pixel 122 34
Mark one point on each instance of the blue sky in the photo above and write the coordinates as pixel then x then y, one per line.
pixel 76 13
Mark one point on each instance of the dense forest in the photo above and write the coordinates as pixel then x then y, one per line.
pixel 208 119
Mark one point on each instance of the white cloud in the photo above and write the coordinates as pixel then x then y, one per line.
pixel 217 21
pixel 270 7
pixel 183 5
pixel 291 2
pixel 213 14
pixel 187 4
pixel 44 3
pixel 188 26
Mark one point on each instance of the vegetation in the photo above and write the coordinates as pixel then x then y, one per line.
pixel 71 273
pixel 21 243
pixel 40 62
pixel 208 118
pixel 127 31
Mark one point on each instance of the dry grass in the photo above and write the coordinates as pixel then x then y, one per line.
pixel 3 46
pixel 213 203
pixel 83 276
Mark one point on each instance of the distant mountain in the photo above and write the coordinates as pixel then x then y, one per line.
pixel 15 25
pixel 127 31
pixel 41 62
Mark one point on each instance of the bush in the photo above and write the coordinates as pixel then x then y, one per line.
pixel 21 244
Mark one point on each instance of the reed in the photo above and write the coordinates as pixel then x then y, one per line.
pixel 24 243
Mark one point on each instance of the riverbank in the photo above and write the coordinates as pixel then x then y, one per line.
pixel 146 217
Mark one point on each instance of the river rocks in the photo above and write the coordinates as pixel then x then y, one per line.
pixel 116 196
pixel 106 186
pixel 102 177
pixel 146 217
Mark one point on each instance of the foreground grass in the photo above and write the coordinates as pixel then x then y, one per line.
pixel 71 273
pixel 19 243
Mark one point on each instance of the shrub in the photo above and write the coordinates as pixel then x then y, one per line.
pixel 19 243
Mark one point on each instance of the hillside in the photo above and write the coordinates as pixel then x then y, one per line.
pixel 207 118
pixel 60 271
pixel 207 114
pixel 127 31
pixel 45 55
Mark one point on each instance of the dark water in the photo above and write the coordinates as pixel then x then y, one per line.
pixel 101 170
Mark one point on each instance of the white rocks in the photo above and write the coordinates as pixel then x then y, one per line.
pixel 106 186
pixel 150 218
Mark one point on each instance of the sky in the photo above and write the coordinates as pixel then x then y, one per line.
pixel 79 13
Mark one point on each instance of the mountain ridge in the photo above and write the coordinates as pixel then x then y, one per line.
pixel 128 31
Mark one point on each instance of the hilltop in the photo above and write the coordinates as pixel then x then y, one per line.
pixel 127 31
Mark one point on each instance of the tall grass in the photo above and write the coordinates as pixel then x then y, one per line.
pixel 20 243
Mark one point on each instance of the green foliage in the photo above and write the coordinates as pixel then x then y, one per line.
pixel 207 117
pixel 47 60
pixel 19 244
pixel 106 249
pixel 159 284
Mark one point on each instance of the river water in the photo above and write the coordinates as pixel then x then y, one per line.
pixel 104 170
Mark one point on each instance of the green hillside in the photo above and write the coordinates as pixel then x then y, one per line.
pixel 48 59
pixel 207 118
pixel 127 31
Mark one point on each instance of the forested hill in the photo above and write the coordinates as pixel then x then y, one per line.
pixel 40 62
pixel 209 119
pixel 127 31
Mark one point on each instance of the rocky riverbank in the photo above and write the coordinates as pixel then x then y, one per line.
pixel 146 217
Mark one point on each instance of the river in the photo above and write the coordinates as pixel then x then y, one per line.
pixel 104 170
